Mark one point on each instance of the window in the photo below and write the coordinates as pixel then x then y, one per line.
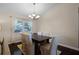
pixel 27 26
pixel 23 26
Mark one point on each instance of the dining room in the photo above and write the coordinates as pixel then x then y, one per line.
pixel 39 29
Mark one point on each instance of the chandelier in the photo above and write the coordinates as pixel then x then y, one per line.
pixel 34 16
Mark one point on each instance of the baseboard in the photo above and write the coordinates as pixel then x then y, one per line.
pixel 74 48
pixel 68 50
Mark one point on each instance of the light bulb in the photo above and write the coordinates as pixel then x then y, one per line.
pixel 33 15
pixel 37 16
pixel 30 16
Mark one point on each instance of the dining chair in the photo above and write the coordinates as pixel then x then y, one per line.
pixel 39 33
pixel 54 46
pixel 27 46
pixel 50 35
pixel 45 34
pixel 50 48
pixel 1 47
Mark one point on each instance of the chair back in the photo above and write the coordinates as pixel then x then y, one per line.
pixel 54 46
pixel 27 45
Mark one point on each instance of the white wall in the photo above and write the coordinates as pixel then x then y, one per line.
pixel 34 26
pixel 62 20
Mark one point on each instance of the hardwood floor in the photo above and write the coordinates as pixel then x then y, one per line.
pixel 64 50
pixel 14 50
pixel 67 51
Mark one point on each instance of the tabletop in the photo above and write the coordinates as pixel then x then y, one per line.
pixel 40 37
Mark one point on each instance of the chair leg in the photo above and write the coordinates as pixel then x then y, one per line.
pixel 2 45
pixel 1 49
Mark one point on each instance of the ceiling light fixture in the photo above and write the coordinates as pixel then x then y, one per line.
pixel 34 16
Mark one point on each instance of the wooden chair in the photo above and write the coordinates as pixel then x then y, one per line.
pixel 50 48
pixel 27 46
pixel 1 46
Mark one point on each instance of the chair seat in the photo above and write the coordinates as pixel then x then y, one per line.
pixel 45 49
pixel 46 46
pixel 50 48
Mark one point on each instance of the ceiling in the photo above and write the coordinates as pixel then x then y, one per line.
pixel 26 8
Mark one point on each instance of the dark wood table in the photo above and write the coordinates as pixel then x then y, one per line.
pixel 38 40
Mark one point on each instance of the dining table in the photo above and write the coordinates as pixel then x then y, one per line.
pixel 38 40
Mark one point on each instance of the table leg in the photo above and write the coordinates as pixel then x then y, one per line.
pixel 37 49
